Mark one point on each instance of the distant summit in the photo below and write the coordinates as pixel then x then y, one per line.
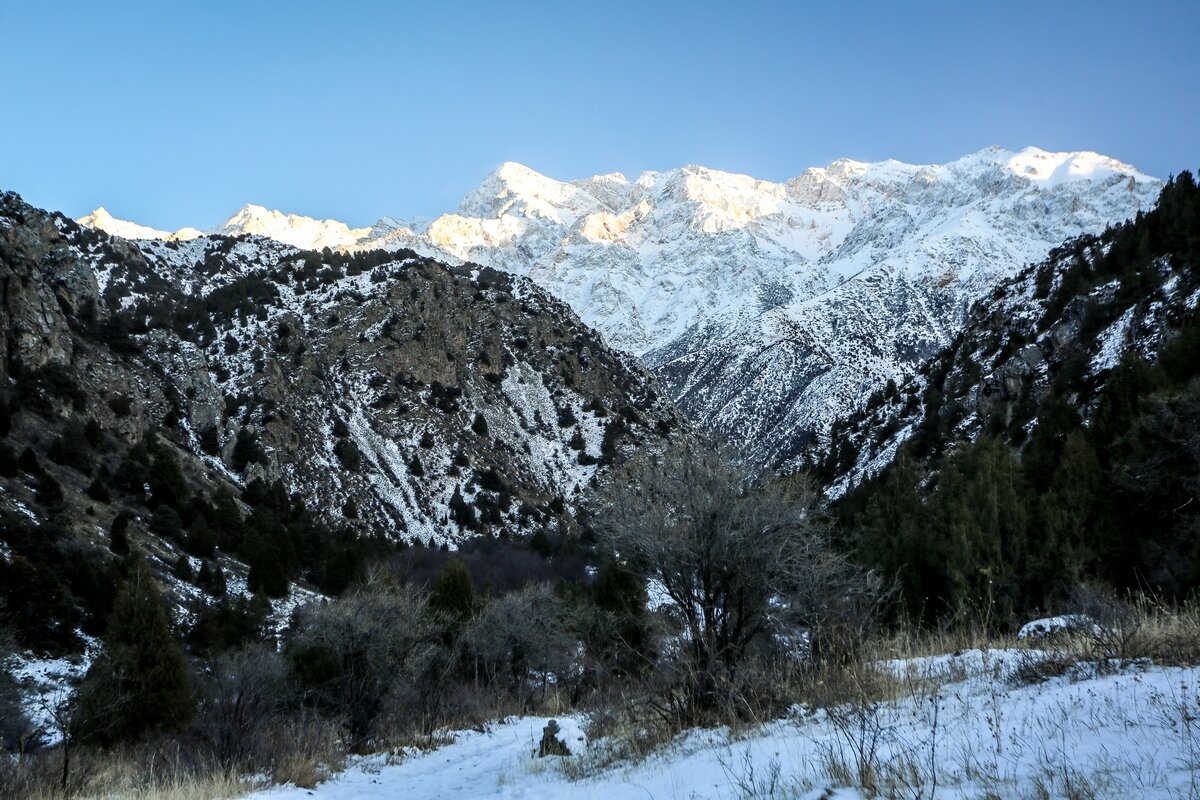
pixel 769 310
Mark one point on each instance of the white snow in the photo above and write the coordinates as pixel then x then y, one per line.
pixel 1112 342
pixel 305 233
pixel 769 308
pixel 1049 626
pixel 46 686
pixel 964 720
pixel 100 219
pixel 298 231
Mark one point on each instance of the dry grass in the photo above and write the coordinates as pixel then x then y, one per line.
pixel 104 776
pixel 1142 627
pixel 907 641
pixel 306 752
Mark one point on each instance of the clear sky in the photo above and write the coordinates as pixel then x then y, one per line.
pixel 177 113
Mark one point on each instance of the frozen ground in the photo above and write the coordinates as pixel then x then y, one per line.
pixel 966 725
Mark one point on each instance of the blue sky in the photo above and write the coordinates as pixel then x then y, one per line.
pixel 177 113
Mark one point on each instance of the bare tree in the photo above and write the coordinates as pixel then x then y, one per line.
pixel 17 731
pixel 354 654
pixel 737 559
pixel 523 639
pixel 242 695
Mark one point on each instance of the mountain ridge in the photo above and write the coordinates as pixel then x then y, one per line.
pixel 771 309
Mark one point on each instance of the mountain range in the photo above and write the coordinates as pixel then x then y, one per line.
pixel 768 310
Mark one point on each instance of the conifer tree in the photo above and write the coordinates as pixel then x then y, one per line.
pixel 452 592
pixel 480 425
pixel 119 535
pixel 139 683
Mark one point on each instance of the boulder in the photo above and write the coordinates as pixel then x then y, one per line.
pixel 565 739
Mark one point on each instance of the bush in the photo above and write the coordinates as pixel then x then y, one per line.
pixel 71 450
pixel 242 699
pixel 359 656
pixel 480 425
pixel 737 560
pixel 348 455
pixel 247 451
pixel 523 643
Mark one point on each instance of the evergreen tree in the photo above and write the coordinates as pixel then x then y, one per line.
pixel 183 569
pixel 226 520
pixel 49 492
pixel 211 578
pixel 480 425
pixel 623 637
pixel 1072 519
pixel 452 592
pixel 461 512
pixel 981 515
pixel 119 534
pixel 892 534
pixel 165 522
pixel 139 683
pixel 201 540
pixel 98 490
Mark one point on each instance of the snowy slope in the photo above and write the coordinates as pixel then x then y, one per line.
pixel 966 730
pixel 303 232
pixel 769 309
pixel 385 389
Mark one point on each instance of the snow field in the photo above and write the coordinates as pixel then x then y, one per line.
pixel 964 725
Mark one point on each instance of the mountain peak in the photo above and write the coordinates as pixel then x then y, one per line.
pixel 299 231
pixel 102 220
pixel 515 188
pixel 515 170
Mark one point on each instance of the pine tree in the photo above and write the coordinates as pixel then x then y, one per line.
pixel 119 534
pixel 462 512
pixel 183 569
pixel 981 514
pixel 480 425
pixel 98 489
pixel 452 592
pixel 211 578
pixel 49 492
pixel 139 683
pixel 201 540
pixel 621 595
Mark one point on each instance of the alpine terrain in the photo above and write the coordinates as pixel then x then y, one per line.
pixel 768 310
pixel 283 408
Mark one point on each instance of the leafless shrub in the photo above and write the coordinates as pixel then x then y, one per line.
pixel 370 648
pixel 240 701
pixel 1137 626
pixel 738 561
pixel 303 749
pixel 523 642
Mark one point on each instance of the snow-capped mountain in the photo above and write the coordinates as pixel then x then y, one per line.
pixel 394 394
pixel 101 220
pixel 771 309
pixel 305 233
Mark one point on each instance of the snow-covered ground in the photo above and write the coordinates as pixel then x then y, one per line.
pixel 965 725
